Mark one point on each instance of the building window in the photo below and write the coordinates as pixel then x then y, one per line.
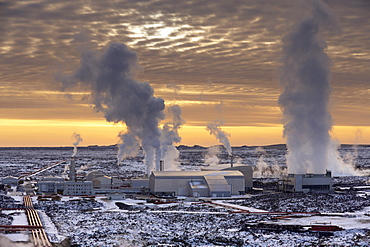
pixel 316 187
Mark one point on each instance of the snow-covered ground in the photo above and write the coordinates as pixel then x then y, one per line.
pixel 187 224
pixel 100 222
pixel 19 218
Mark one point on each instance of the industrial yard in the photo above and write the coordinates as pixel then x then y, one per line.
pixel 262 216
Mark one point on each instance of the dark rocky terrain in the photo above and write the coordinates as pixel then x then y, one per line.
pixel 93 222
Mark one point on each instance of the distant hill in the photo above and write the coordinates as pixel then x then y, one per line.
pixel 184 147
pixel 180 147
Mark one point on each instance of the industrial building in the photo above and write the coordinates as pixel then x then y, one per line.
pixel 216 181
pixel 78 188
pixel 51 185
pixel 197 183
pixel 245 169
pixel 54 185
pixel 308 182
pixel 106 182
pixel 9 180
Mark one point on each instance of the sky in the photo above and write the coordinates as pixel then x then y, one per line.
pixel 217 60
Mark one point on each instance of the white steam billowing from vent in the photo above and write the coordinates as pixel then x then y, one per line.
pixel 77 139
pixel 170 136
pixel 267 167
pixel 223 137
pixel 129 145
pixel 305 100
pixel 211 158
pixel 121 98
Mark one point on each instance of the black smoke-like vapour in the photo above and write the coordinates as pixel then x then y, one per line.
pixel 114 92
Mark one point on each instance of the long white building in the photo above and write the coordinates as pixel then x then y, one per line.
pixel 197 183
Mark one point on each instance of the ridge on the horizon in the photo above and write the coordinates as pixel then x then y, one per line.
pixel 270 146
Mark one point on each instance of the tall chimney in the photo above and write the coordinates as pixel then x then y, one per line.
pixel 161 165
pixel 72 170
pixel 231 160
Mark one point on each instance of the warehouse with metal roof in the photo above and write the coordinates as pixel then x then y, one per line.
pixel 197 183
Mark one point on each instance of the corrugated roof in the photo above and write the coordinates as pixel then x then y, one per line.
pixel 221 167
pixel 217 184
pixel 195 174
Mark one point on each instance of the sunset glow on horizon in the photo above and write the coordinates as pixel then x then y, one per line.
pixel 55 133
pixel 217 61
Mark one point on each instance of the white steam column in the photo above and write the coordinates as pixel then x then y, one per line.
pixel 305 101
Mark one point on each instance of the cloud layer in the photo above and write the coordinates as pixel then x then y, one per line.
pixel 212 51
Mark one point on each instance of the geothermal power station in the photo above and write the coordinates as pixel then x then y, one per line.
pixel 223 180
pixel 148 191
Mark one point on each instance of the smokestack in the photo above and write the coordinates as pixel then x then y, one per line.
pixel 328 173
pixel 72 170
pixel 161 165
pixel 231 160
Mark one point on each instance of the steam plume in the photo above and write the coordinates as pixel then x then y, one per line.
pixel 115 93
pixel 305 100
pixel 267 170
pixel 223 137
pixel 169 136
pixel 78 139
pixel 128 145
pixel 211 157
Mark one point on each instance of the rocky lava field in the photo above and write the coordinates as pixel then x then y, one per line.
pixel 99 222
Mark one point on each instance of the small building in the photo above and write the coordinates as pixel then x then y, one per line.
pixel 78 188
pixel 197 183
pixel 308 182
pixel 116 196
pixel 10 180
pixel 50 187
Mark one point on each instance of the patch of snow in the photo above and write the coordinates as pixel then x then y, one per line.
pixel 50 228
pixel 17 237
pixel 19 216
pixel 241 208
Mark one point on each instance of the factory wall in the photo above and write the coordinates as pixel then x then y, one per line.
pixel 170 185
pixel 106 182
pixel 78 188
pixel 193 183
pixel 140 182
pixel 307 182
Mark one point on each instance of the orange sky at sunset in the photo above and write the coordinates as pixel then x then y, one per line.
pixel 217 60
pixel 45 132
